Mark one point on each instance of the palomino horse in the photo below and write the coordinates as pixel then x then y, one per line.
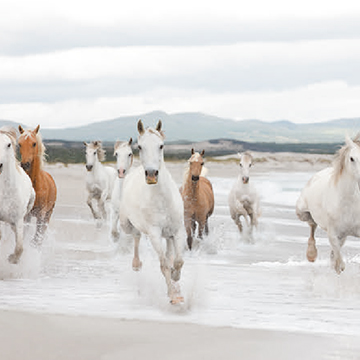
pixel 100 180
pixel 331 199
pixel 124 159
pixel 17 195
pixel 198 197
pixel 32 151
pixel 243 199
pixel 151 204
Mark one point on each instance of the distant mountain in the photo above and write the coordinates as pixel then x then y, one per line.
pixel 193 127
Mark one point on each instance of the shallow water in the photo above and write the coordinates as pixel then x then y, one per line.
pixel 227 280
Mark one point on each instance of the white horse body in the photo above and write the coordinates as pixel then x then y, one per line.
pixel 100 179
pixel 17 195
pixel 243 198
pixel 331 199
pixel 151 204
pixel 124 160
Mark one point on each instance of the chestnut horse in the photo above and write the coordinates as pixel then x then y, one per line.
pixel 32 151
pixel 198 197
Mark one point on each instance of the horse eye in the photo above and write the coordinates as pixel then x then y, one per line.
pixel 94 152
pixel 161 146
pixel 352 159
pixel 130 154
pixel 139 147
pixel 34 144
pixel 9 145
pixel 202 164
pixel 240 165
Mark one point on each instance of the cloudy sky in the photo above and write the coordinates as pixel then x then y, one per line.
pixel 68 63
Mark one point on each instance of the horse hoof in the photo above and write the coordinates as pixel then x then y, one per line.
pixel 137 265
pixel 13 259
pixel 177 300
pixel 115 236
pixel 311 253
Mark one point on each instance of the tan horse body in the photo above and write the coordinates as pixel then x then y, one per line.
pixel 198 197
pixel 32 153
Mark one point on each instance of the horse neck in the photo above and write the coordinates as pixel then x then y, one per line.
pixel 347 184
pixel 35 170
pixel 190 186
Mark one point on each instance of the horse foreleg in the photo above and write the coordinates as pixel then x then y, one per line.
pixel 115 233
pixel 188 226
pixel 136 264
pixel 18 229
pixel 311 252
pixel 336 259
pixel 91 206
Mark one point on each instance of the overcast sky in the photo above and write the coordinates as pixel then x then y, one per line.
pixel 69 63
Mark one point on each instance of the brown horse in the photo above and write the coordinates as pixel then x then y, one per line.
pixel 198 197
pixel 32 151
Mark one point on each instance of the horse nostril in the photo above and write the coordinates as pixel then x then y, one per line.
pixel 156 173
pixel 89 167
pixel 1 166
pixel 146 173
pixel 195 178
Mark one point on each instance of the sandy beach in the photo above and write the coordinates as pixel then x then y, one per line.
pixel 79 299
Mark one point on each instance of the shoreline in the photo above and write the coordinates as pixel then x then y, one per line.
pixel 53 336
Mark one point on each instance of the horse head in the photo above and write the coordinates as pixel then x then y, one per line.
pixel 124 157
pixel 7 145
pixel 94 153
pixel 196 163
pixel 151 145
pixel 348 159
pixel 246 160
pixel 30 146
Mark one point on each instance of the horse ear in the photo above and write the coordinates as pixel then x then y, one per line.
pixel 130 141
pixel 37 129
pixel 192 151
pixel 85 143
pixel 140 127
pixel 348 141
pixel 203 152
pixel 158 126
pixel 21 130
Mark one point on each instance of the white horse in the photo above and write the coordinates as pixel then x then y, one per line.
pixel 17 195
pixel 331 199
pixel 243 198
pixel 151 204
pixel 124 160
pixel 99 180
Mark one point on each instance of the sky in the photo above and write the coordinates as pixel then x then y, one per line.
pixel 70 63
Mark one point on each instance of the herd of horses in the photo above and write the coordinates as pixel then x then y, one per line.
pixel 146 200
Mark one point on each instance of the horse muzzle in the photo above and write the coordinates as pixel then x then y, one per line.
pixel 151 176
pixel 245 179
pixel 89 167
pixel 195 178
pixel 121 173
pixel 26 165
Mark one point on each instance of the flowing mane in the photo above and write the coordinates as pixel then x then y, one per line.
pixel 97 145
pixel 41 147
pixel 194 157
pixel 11 133
pixel 340 157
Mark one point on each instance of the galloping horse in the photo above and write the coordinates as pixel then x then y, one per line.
pixel 124 160
pixel 243 199
pixel 32 152
pixel 100 180
pixel 331 199
pixel 151 204
pixel 17 195
pixel 198 197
